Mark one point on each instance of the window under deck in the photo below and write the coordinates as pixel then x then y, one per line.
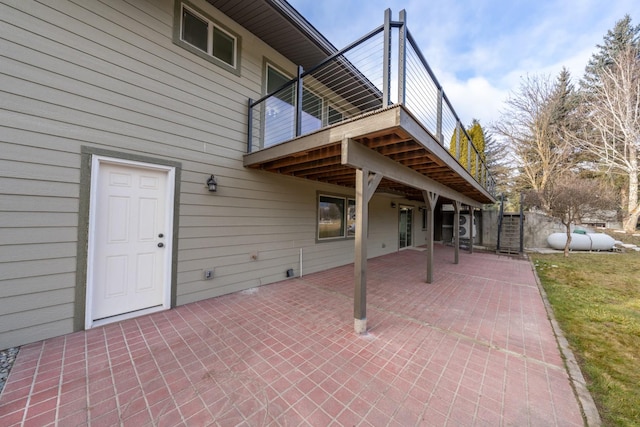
pixel 391 132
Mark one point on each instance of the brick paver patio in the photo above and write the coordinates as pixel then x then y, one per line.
pixel 473 348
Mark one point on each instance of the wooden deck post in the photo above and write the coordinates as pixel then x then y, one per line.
pixel 456 231
pixel 430 199
pixel 366 185
pixel 471 217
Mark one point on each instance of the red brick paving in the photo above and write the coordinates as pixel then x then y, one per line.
pixel 473 348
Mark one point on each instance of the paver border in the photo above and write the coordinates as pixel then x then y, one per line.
pixel 578 383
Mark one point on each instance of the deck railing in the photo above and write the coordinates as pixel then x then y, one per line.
pixel 381 69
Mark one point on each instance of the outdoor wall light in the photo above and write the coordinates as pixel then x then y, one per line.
pixel 212 184
pixel 393 205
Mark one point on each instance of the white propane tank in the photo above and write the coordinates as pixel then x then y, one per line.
pixel 582 242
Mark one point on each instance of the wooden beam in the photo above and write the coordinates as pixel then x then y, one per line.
pixel 381 122
pixel 384 140
pixel 358 156
pixel 430 199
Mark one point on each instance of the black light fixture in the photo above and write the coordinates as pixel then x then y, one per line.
pixel 212 184
pixel 393 205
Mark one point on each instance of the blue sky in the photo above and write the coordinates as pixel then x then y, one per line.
pixel 480 49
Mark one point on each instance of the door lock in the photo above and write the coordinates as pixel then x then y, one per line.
pixel 160 245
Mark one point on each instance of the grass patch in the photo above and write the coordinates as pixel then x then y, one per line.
pixel 596 300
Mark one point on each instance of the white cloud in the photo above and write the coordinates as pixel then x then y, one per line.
pixel 480 49
pixel 474 98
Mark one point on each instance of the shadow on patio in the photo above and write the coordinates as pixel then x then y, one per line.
pixel 473 348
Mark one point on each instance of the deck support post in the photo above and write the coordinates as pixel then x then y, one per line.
pixel 430 199
pixel 471 223
pixel 366 184
pixel 456 231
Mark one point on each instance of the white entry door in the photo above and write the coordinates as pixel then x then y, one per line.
pixel 129 240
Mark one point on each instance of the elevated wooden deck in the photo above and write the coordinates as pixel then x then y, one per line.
pixel 414 161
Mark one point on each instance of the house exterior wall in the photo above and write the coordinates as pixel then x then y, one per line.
pixel 91 75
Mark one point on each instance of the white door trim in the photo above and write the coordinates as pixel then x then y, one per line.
pixel 96 163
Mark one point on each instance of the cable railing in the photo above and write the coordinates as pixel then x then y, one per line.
pixel 345 85
pixel 383 68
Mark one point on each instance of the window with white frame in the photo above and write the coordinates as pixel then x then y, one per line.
pixel 202 35
pixel 336 217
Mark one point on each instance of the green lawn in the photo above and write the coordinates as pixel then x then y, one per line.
pixel 596 300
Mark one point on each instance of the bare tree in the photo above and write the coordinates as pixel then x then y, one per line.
pixel 535 124
pixel 572 198
pixel 612 124
pixel 500 163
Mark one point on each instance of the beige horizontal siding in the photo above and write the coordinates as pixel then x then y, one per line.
pixel 107 75
pixel 35 284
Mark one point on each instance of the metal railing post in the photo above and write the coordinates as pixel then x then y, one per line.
pixel 521 223
pixel 402 58
pixel 458 132
pixel 386 60
pixel 469 155
pixel 500 215
pixel 299 90
pixel 439 117
pixel 250 127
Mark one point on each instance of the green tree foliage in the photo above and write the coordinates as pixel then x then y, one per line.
pixel 621 37
pixel 476 133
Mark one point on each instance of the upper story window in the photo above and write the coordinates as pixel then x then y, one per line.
pixel 202 35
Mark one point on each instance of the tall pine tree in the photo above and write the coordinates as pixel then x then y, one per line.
pixel 622 36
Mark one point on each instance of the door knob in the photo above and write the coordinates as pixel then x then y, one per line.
pixel 160 245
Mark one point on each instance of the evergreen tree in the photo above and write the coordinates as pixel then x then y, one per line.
pixel 621 37
pixel 477 136
pixel 564 120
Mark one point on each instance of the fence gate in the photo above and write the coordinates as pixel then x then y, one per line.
pixel 510 231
